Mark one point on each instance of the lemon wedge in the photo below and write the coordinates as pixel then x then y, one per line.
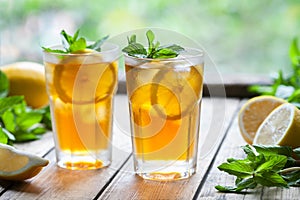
pixel 27 79
pixel 281 127
pixel 254 112
pixel 17 165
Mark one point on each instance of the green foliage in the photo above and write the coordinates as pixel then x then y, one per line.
pixel 270 166
pixel 285 87
pixel 154 49
pixel 18 122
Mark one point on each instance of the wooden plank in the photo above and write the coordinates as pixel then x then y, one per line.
pixel 216 115
pixel 231 149
pixel 57 183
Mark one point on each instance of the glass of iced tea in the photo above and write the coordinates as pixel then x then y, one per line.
pixel 165 100
pixel 81 87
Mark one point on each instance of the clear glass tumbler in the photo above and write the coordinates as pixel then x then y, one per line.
pixel 165 100
pixel 81 88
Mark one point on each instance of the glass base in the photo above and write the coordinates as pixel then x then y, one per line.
pixel 81 162
pixel 165 170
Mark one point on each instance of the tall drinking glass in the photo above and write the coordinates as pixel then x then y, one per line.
pixel 165 100
pixel 81 88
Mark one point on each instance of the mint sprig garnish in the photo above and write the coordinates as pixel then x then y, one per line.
pixel 75 44
pixel 154 49
pixel 269 166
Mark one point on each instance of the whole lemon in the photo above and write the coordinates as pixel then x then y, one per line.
pixel 27 79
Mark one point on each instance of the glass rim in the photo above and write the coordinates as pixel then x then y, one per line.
pixel 201 53
pixel 114 48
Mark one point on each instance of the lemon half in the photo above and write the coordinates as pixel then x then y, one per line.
pixel 281 127
pixel 253 113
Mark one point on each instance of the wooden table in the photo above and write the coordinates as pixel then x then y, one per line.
pixel 219 139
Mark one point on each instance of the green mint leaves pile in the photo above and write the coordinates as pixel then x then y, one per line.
pixel 18 122
pixel 75 44
pixel 285 87
pixel 270 166
pixel 154 50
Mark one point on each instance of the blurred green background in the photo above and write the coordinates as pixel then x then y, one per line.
pixel 240 36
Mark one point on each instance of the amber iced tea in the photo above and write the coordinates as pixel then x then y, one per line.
pixel 165 98
pixel 81 88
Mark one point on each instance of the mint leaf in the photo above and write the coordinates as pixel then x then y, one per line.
pixel 25 136
pixel 3 136
pixel 10 136
pixel 154 49
pixel 237 168
pixel 249 183
pixel 9 102
pixel 53 50
pixel 274 163
pixel 46 119
pixel 292 178
pixel 176 48
pixel 136 50
pixel 20 108
pixel 227 188
pixel 246 184
pixel 4 85
pixel 150 36
pixel 164 53
pixel 277 150
pixel 27 120
pixel 243 185
pixel 250 151
pixel 97 45
pixel 38 130
pixel 8 119
pixel 78 45
pixel 274 150
pixel 270 179
pixel 67 40
pixel 294 53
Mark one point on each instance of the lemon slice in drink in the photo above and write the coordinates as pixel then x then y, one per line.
pixel 281 127
pixel 177 90
pixel 142 102
pixel 81 83
pixel 253 113
pixel 17 165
